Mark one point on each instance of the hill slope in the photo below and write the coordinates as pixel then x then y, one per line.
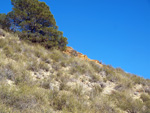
pixel 36 80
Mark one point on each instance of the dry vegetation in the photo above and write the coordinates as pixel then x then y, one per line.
pixel 36 80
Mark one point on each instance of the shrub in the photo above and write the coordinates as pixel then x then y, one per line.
pixel 78 69
pixel 138 80
pixel 78 90
pixel 6 109
pixel 145 97
pixel 94 77
pixel 33 65
pixel 57 56
pixel 2 43
pixel 56 66
pixel 147 104
pixel 95 66
pixel 125 102
pixel 102 105
pixel 113 78
pixel 8 51
pixel 24 98
pixel 80 66
pixel 43 66
pixel 13 97
pixel 147 89
pixel 96 90
pixel 123 83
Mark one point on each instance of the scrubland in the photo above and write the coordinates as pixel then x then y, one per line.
pixel 36 80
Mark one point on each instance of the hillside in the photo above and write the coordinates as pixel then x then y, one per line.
pixel 36 80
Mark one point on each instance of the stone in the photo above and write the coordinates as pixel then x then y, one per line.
pixel 70 51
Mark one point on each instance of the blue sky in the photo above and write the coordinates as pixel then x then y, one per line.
pixel 116 32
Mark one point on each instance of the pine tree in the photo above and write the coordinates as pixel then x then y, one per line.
pixel 4 22
pixel 36 23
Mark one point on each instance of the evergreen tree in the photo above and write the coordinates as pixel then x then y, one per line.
pixel 37 24
pixel 4 22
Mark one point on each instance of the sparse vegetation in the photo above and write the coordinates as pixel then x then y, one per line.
pixel 34 79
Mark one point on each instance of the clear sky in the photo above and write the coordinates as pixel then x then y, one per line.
pixel 116 32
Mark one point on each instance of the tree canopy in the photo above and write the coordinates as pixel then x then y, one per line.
pixel 36 23
pixel 4 22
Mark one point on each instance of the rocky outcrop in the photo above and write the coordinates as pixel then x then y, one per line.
pixel 70 51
